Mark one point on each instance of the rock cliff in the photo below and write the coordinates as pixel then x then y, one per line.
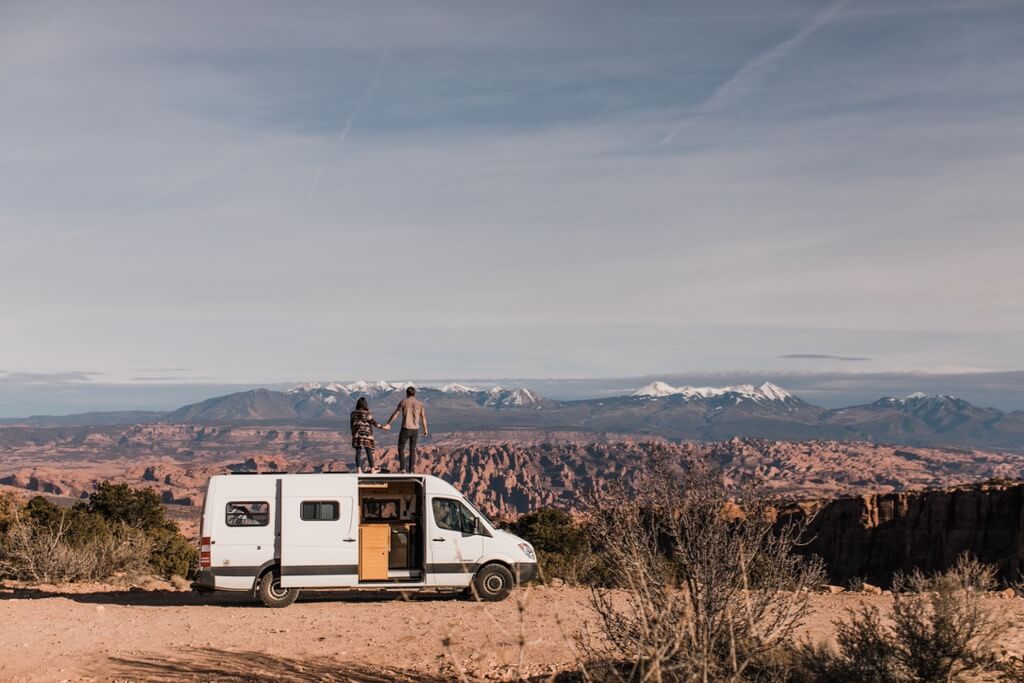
pixel 872 536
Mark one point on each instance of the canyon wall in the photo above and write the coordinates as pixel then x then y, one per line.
pixel 874 535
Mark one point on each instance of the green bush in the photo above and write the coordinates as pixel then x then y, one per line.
pixel 170 553
pixel 118 529
pixel 563 551
pixel 8 507
pixel 141 508
pixel 76 525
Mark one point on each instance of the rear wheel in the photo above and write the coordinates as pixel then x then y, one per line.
pixel 493 583
pixel 272 594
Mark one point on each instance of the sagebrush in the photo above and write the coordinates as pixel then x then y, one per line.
pixel 710 589
pixel 118 529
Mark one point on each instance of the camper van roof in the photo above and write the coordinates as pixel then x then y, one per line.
pixel 350 474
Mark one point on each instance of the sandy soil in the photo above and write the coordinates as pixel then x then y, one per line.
pixel 107 634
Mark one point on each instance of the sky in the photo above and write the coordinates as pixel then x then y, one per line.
pixel 227 193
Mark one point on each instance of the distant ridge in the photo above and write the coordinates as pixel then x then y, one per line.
pixel 656 409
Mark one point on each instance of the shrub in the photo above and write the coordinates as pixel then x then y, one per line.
pixel 562 548
pixel 54 550
pixel 170 553
pixel 141 508
pixel 8 506
pixel 117 530
pixel 712 588
pixel 941 630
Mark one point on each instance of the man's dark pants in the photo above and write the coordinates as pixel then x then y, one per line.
pixel 407 438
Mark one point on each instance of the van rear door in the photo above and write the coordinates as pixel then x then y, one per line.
pixel 319 532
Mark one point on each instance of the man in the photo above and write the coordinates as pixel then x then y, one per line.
pixel 413 416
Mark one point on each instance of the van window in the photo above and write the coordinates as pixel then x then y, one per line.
pixel 452 515
pixel 381 510
pixel 319 511
pixel 247 513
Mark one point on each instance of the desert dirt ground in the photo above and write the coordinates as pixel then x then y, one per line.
pixel 104 633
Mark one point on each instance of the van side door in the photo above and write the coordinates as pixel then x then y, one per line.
pixel 454 542
pixel 319 532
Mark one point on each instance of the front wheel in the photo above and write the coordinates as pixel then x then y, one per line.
pixel 272 594
pixel 493 583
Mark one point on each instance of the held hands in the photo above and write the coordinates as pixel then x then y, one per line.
pixel 386 428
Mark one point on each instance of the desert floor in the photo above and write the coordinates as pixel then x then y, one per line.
pixel 108 634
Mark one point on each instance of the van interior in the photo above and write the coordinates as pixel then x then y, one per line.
pixel 391 533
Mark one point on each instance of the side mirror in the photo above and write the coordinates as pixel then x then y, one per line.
pixel 474 526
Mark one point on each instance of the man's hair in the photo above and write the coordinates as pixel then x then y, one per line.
pixel 410 391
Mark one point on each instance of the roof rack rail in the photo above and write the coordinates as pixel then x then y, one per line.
pixel 247 472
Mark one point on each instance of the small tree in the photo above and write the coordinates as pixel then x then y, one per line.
pixel 712 588
pixel 119 503
pixel 941 630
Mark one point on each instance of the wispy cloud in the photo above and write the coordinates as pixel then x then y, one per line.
pixel 822 356
pixel 746 80
pixel 367 94
pixel 167 378
pixel 48 378
pixel 826 200
pixel 164 369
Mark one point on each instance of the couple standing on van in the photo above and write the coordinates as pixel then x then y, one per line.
pixel 413 418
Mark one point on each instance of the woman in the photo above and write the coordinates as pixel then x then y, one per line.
pixel 362 424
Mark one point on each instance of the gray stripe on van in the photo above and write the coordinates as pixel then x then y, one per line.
pixel 339 569
pixel 453 568
pixel 319 569
pixel 234 571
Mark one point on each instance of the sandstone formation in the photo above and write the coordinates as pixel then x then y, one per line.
pixel 506 473
pixel 877 525
pixel 874 535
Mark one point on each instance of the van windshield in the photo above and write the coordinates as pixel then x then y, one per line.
pixel 475 509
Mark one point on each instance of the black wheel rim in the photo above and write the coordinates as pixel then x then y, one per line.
pixel 494 583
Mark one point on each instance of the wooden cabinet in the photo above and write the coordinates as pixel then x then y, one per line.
pixel 374 547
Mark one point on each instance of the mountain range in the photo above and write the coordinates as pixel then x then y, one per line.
pixel 657 409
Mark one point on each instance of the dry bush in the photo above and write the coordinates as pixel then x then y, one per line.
pixel 706 594
pixel 967 573
pixel 941 630
pixel 31 551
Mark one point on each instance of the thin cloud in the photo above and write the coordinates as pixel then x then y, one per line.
pixel 745 81
pixel 47 378
pixel 367 94
pixel 164 369
pixel 177 378
pixel 822 356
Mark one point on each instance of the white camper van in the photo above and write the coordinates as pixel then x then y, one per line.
pixel 276 534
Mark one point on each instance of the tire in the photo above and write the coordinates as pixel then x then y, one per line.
pixel 493 583
pixel 272 594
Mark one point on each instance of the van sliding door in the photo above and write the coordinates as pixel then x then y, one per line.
pixel 319 532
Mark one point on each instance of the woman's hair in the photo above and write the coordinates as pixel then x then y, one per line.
pixel 361 404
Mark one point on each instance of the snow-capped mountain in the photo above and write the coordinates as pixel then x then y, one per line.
pixel 765 392
pixel 920 399
pixel 456 389
pixel 508 398
pixel 656 389
pixel 659 408
pixel 361 387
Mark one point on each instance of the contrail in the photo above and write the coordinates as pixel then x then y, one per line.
pixel 744 81
pixel 370 87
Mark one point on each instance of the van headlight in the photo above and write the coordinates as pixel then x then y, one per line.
pixel 528 550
